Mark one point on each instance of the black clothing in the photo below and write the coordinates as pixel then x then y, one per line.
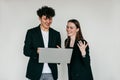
pixel 34 40
pixel 79 67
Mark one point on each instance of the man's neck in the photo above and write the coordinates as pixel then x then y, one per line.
pixel 44 29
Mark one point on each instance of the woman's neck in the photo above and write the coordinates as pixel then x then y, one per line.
pixel 72 41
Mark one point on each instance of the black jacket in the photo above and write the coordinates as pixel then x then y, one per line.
pixel 79 67
pixel 34 40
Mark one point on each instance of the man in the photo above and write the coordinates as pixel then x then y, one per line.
pixel 41 36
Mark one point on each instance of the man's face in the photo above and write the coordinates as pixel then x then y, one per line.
pixel 45 22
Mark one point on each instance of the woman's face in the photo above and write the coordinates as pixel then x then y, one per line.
pixel 71 29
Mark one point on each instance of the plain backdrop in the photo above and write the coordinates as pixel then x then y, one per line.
pixel 100 23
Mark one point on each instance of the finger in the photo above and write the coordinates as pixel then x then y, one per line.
pixel 58 46
pixel 78 45
pixel 84 42
pixel 80 42
pixel 38 50
pixel 86 45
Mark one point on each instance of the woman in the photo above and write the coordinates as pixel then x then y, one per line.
pixel 79 67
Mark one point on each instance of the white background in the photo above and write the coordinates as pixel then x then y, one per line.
pixel 100 23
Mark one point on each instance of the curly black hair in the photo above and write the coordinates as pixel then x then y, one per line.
pixel 46 11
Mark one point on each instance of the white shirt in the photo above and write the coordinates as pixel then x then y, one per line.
pixel 46 68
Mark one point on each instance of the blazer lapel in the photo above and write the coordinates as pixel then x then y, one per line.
pixel 50 37
pixel 40 37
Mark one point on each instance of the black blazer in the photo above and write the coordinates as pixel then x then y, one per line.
pixel 79 67
pixel 34 40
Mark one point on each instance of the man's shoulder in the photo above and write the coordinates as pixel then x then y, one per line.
pixel 34 28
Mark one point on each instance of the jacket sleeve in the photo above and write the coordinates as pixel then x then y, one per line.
pixel 86 59
pixel 58 40
pixel 29 50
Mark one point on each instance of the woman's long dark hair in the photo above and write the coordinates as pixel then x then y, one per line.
pixel 79 35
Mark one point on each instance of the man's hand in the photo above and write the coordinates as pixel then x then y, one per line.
pixel 38 50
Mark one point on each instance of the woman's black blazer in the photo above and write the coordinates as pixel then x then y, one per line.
pixel 79 67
